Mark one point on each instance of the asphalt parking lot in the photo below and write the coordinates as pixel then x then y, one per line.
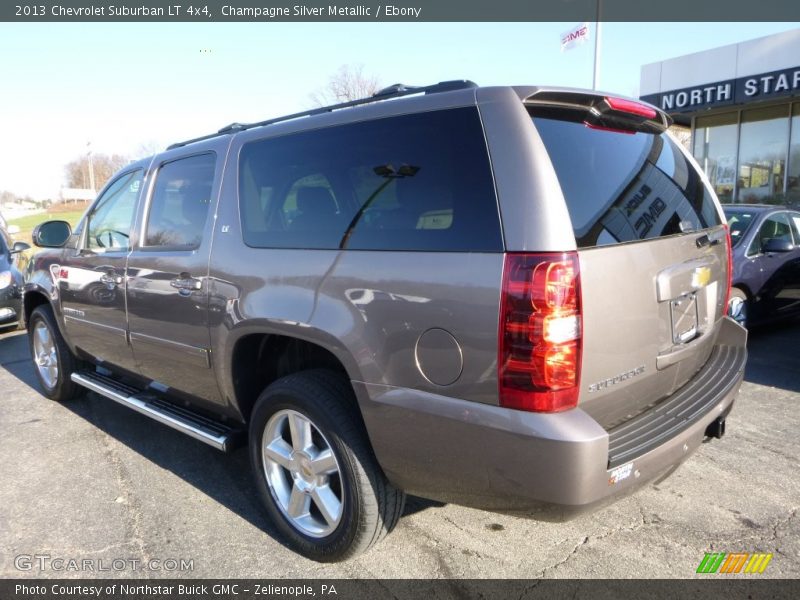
pixel 94 480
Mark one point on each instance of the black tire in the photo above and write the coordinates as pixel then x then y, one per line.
pixel 739 306
pixel 62 388
pixel 370 505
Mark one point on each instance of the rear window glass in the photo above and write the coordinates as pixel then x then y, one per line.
pixel 625 187
pixel 738 222
pixel 416 182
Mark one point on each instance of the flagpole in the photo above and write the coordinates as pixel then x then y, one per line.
pixel 597 32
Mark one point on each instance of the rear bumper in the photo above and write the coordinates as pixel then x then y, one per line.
pixel 552 466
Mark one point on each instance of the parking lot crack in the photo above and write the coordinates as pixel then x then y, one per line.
pixel 567 558
pixel 529 589
pixel 769 536
pixel 772 450
pixel 642 521
pixel 783 524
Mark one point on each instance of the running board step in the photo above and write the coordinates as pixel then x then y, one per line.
pixel 200 428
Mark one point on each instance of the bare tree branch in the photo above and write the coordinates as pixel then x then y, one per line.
pixel 683 135
pixel 348 83
pixel 104 167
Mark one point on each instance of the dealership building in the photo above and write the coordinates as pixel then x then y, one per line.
pixel 742 103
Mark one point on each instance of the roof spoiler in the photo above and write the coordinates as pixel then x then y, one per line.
pixel 601 111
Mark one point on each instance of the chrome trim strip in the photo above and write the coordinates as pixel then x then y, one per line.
pixel 95 325
pixel 191 354
pixel 220 442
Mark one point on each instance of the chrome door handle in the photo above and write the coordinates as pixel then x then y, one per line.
pixel 186 283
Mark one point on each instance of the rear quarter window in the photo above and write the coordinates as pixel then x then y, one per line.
pixel 739 222
pixel 625 187
pixel 418 182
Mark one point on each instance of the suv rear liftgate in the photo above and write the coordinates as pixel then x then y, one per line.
pixel 653 250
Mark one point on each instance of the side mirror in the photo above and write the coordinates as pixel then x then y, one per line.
pixel 13 229
pixel 778 245
pixel 19 247
pixel 51 234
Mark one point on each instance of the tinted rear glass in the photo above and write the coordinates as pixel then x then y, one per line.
pixel 625 187
pixel 415 182
pixel 739 222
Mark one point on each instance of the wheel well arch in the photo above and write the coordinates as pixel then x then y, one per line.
pixel 745 288
pixel 31 300
pixel 258 359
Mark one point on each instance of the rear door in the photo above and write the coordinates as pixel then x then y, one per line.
pixel 653 259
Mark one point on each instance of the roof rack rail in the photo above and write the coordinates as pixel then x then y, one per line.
pixel 397 90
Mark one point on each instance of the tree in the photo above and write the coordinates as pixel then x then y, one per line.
pixel 7 197
pixel 147 149
pixel 348 83
pixel 683 135
pixel 81 171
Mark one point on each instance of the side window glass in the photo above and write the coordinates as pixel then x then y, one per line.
pixel 795 227
pixel 180 203
pixel 777 227
pixel 310 206
pixel 417 182
pixel 109 223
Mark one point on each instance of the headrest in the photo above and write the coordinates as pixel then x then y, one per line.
pixel 315 199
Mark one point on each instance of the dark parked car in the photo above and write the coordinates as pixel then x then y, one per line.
pixel 11 267
pixel 766 259
pixel 512 298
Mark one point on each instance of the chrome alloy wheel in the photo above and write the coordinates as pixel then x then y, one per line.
pixel 303 474
pixel 737 310
pixel 45 356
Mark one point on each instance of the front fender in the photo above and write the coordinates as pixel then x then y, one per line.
pixel 39 281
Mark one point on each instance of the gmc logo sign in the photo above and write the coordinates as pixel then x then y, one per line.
pixel 574 36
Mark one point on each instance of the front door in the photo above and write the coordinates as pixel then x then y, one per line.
pixel 91 278
pixel 777 271
pixel 167 277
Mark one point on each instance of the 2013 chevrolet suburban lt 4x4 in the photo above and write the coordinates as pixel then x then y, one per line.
pixel 511 298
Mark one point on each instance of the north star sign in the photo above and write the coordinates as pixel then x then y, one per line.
pixel 733 91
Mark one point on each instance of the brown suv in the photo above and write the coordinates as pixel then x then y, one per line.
pixel 506 297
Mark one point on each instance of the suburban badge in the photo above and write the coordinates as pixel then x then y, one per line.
pixel 607 383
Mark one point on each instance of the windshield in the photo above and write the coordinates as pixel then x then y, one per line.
pixel 738 222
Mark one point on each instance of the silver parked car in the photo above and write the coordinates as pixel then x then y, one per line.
pixel 511 298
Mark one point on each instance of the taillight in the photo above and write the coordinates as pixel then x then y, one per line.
pixel 729 243
pixel 539 357
pixel 631 107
